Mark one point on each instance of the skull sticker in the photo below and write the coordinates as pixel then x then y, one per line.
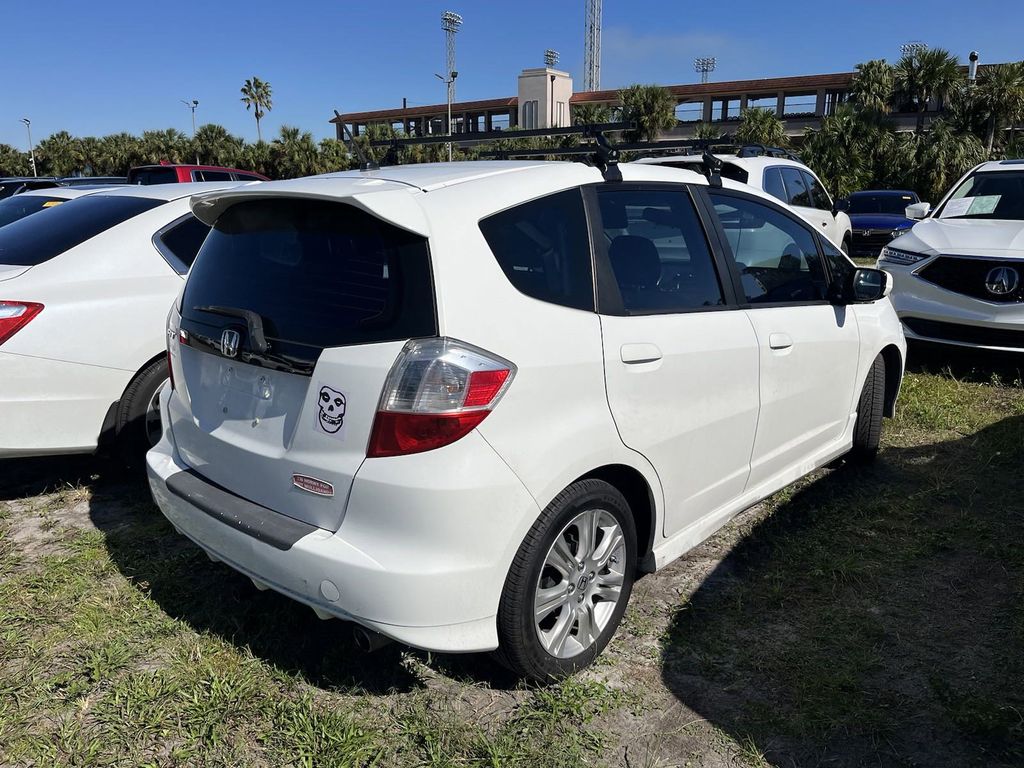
pixel 331 413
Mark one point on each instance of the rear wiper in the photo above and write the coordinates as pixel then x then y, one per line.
pixel 252 320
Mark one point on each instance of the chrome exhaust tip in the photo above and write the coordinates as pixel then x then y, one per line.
pixel 369 641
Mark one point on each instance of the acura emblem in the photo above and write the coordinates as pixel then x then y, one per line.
pixel 229 343
pixel 1002 280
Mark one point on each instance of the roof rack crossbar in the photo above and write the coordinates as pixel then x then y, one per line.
pixel 482 136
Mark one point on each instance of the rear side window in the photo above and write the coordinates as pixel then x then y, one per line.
pixel 543 247
pixel 211 176
pixel 658 252
pixel 773 184
pixel 797 192
pixel 153 176
pixel 180 242
pixel 20 206
pixel 318 274
pixel 247 177
pixel 819 196
pixel 35 239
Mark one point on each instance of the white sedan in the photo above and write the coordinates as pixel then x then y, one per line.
pixel 84 291
pixel 958 275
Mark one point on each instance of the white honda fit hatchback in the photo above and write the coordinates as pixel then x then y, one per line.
pixel 462 404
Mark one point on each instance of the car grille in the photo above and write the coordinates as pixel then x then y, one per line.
pixel 968 275
pixel 868 242
pixel 965 334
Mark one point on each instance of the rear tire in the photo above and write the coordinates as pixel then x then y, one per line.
pixel 138 415
pixel 569 583
pixel 867 432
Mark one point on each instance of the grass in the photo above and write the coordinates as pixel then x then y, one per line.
pixel 861 616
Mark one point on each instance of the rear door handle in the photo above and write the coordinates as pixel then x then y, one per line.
pixel 780 341
pixel 633 354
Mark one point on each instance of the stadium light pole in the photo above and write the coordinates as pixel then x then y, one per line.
pixel 913 47
pixel 705 65
pixel 31 148
pixel 449 82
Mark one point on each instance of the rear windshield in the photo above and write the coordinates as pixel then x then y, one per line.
pixel 20 206
pixel 316 274
pixel 153 176
pixel 35 239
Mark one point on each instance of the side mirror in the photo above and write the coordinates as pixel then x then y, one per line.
pixel 867 285
pixel 918 210
pixel 842 204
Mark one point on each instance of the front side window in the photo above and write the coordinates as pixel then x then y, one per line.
pixel 543 247
pixel 839 264
pixel 657 250
pixel 797 192
pixel 819 197
pixel 776 255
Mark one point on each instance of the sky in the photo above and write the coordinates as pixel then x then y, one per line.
pixel 126 65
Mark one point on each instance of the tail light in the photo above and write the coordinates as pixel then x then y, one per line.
pixel 15 315
pixel 437 392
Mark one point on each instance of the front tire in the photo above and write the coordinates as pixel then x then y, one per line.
pixel 569 583
pixel 867 432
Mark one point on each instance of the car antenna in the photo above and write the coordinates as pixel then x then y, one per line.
pixel 364 163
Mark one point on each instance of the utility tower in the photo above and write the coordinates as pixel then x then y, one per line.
pixel 450 23
pixel 592 48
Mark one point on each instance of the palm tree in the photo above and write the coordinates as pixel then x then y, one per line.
pixel 840 151
pixel 256 94
pixel 923 76
pixel 873 85
pixel 119 152
pixel 760 126
pixel 13 162
pixel 998 98
pixel 651 107
pixel 591 114
pixel 171 145
pixel 59 154
pixel 707 131
pixel 214 145
pixel 295 153
pixel 334 156
pixel 943 157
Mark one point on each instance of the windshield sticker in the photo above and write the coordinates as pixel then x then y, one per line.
pixel 971 206
pixel 330 414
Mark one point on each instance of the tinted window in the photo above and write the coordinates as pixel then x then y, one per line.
pixel 211 176
pixel 776 255
pixel 819 197
pixel 773 184
pixel 894 202
pixel 153 176
pixel 36 239
pixel 658 251
pixel 247 177
pixel 20 206
pixel 318 274
pixel 797 192
pixel 839 265
pixel 182 242
pixel 543 247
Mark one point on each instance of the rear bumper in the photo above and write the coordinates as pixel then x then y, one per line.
pixel 421 556
pixel 50 406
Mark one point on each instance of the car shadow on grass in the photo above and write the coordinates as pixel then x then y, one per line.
pixel 212 598
pixel 875 618
pixel 975 365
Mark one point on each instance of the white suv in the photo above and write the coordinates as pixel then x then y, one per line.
pixel 958 276
pixel 461 404
pixel 781 175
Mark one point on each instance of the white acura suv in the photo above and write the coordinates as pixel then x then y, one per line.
pixel 958 276
pixel 462 404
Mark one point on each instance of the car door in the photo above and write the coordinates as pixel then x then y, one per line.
pixel 681 358
pixel 808 347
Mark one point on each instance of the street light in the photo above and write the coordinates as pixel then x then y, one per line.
pixel 31 150
pixel 192 105
pixel 449 82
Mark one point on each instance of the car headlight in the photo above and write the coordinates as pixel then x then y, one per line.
pixel 897 256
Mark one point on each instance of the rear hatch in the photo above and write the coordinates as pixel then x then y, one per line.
pixel 293 314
